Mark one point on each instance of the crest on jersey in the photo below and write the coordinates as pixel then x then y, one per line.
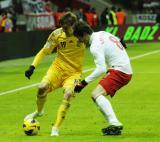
pixel 63 44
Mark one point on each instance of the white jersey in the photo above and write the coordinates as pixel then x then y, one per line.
pixel 107 50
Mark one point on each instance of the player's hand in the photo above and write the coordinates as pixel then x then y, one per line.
pixel 78 88
pixel 29 72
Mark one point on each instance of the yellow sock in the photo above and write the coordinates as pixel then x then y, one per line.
pixel 61 113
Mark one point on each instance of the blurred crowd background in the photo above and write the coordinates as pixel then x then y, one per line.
pixel 29 15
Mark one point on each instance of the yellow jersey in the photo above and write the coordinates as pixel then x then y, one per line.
pixel 70 51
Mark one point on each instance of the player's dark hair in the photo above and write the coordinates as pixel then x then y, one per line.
pixel 69 18
pixel 80 28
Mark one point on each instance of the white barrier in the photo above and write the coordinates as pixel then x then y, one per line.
pixel 40 21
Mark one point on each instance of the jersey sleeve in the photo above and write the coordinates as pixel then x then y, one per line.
pixel 99 60
pixel 48 47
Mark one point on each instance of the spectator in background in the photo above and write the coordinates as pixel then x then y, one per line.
pixel 88 16
pixel 13 18
pixel 79 14
pixel 112 16
pixel 7 24
pixel 48 6
pixel 2 19
pixel 57 17
pixel 120 17
pixel 94 18
pixel 91 17
pixel 105 17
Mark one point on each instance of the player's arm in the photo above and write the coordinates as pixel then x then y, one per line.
pixel 49 46
pixel 99 60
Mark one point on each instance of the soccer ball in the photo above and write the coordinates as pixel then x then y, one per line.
pixel 31 127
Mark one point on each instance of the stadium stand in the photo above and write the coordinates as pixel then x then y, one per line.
pixel 139 17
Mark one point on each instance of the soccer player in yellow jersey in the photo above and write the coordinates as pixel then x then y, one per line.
pixel 64 72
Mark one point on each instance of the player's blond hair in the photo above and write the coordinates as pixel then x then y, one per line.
pixel 69 18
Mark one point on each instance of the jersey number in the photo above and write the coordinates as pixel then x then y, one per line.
pixel 117 42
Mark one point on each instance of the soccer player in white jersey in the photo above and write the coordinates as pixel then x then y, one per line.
pixel 106 49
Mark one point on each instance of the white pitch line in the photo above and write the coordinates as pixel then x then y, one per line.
pixel 143 55
pixel 18 89
pixel 87 70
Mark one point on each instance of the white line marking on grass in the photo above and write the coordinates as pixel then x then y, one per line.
pixel 87 70
pixel 18 89
pixel 143 55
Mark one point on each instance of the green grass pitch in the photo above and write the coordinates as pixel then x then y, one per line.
pixel 136 105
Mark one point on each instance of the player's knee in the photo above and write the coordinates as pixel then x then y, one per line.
pixel 98 92
pixel 42 89
pixel 68 94
pixel 94 95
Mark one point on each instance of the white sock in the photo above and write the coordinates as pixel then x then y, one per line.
pixel 39 113
pixel 107 109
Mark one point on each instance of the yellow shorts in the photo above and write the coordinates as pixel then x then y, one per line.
pixel 57 78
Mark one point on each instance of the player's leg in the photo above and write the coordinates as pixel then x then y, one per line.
pixel 112 82
pixel 61 113
pixel 63 108
pixel 106 108
pixel 43 89
pixel 98 95
pixel 68 86
pixel 50 82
